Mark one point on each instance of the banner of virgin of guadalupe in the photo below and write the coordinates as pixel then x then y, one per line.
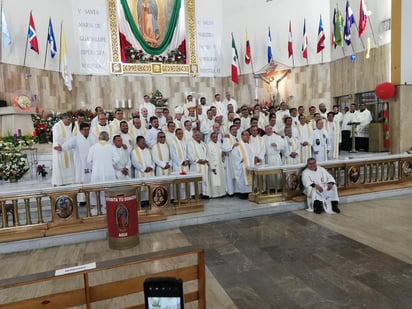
pixel 155 26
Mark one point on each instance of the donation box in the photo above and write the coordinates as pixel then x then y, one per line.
pixel 122 220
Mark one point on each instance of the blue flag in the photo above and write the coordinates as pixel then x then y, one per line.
pixel 350 19
pixel 269 47
pixel 51 40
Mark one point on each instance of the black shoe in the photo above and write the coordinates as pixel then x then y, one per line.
pixel 204 197
pixel 317 207
pixel 244 196
pixel 335 207
pixel 82 204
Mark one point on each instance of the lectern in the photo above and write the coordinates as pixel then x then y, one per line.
pixel 353 131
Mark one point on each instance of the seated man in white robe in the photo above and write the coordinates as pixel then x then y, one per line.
pixel 123 169
pixel 243 158
pixel 320 189
pixel 217 175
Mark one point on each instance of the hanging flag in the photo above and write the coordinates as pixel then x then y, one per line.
pixel 64 63
pixel 305 41
pixel 269 47
pixel 338 28
pixel 363 17
pixel 290 46
pixel 368 48
pixel 350 19
pixel 332 33
pixel 235 71
pixel 5 31
pixel 51 40
pixel 247 53
pixel 34 45
pixel 321 36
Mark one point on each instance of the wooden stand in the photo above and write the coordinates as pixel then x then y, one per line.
pixel 353 137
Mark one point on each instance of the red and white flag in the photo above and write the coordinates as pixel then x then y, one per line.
pixel 321 36
pixel 235 70
pixel 305 41
pixel 290 46
pixel 363 17
pixel 32 35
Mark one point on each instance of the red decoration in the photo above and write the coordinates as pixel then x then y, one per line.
pixel 385 90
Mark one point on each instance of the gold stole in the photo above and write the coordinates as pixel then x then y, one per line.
pixel 245 157
pixel 159 151
pixel 309 148
pixel 65 153
pixel 139 156
pixel 202 168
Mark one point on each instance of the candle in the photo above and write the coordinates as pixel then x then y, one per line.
pixel 123 103
pixel 19 132
pixel 117 103
pixel 129 103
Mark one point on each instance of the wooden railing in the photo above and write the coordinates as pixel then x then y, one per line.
pixel 276 183
pixel 111 284
pixel 33 213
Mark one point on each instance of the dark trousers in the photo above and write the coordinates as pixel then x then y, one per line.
pixel 346 141
pixel 362 143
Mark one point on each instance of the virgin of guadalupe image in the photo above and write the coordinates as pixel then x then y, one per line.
pixel 147 13
pixel 122 220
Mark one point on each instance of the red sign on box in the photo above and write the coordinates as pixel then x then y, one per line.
pixel 122 216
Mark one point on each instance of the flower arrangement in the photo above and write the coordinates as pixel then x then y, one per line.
pixel 177 55
pixel 41 170
pixel 13 164
pixel 157 99
pixel 43 123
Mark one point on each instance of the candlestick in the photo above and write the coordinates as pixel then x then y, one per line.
pixel 117 103
pixel 123 103
pixel 129 103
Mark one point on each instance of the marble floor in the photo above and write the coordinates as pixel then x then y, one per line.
pixel 361 258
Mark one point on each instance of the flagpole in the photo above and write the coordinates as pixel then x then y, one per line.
pixel 1 38
pixel 27 42
pixel 363 44
pixel 293 60
pixel 60 50
pixel 321 56
pixel 47 44
pixel 373 33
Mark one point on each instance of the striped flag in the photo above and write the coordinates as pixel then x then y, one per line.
pixel 51 40
pixel 321 36
pixel 290 46
pixel 270 57
pixel 235 70
pixel 305 41
pixel 34 45
pixel 247 53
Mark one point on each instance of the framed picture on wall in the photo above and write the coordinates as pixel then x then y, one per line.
pixel 153 36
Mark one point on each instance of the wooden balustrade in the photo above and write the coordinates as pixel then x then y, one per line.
pixel 111 284
pixel 33 213
pixel 352 176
